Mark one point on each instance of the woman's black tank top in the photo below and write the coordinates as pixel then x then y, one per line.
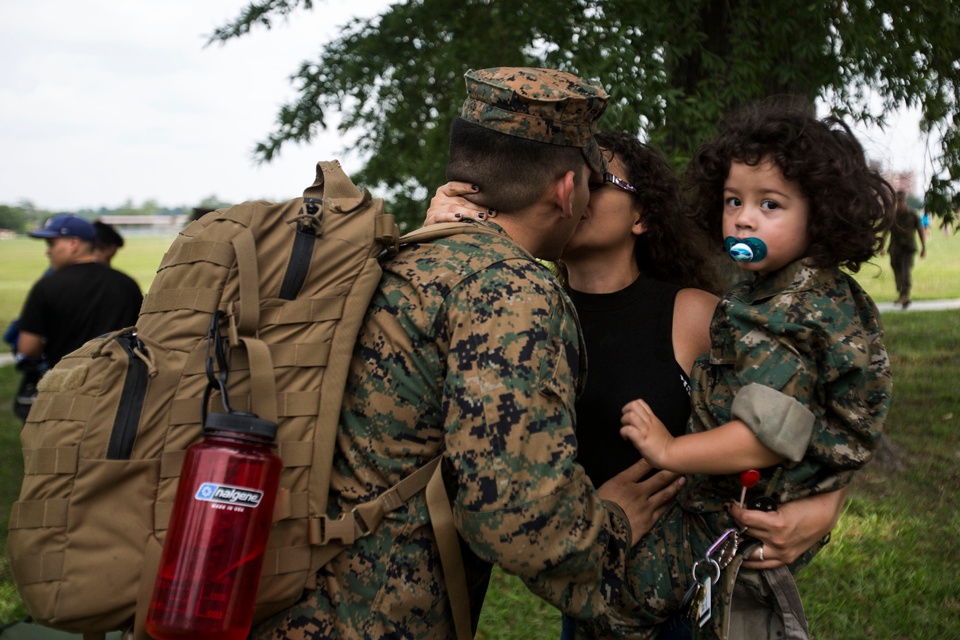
pixel 629 338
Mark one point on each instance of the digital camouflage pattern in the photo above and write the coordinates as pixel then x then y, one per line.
pixel 545 105
pixel 812 334
pixel 470 349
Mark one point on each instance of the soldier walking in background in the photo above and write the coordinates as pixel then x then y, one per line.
pixel 903 247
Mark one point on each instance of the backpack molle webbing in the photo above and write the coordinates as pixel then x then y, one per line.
pixel 108 430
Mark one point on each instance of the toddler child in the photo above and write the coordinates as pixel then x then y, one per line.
pixel 797 383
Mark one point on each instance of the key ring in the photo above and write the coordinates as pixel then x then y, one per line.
pixel 713 564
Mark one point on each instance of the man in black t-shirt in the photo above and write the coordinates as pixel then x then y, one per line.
pixel 80 300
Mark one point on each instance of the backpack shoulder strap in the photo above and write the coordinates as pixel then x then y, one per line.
pixel 336 534
pixel 444 230
pixel 451 560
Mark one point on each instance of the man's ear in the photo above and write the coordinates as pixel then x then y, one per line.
pixel 566 193
pixel 80 247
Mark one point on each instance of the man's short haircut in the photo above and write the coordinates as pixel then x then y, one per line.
pixel 511 172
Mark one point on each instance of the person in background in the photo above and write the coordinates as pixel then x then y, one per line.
pixel 108 242
pixel 903 247
pixel 82 299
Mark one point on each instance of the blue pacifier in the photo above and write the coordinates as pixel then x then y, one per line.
pixel 745 250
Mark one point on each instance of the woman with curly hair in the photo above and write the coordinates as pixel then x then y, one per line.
pixel 641 276
pixel 796 387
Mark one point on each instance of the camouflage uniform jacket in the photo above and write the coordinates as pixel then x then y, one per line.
pixel 470 349
pixel 813 335
pixel 903 234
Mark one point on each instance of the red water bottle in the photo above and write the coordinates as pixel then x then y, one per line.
pixel 210 568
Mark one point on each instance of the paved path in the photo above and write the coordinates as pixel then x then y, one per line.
pixel 920 305
pixel 884 307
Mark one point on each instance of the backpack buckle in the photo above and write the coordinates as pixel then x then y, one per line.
pixel 345 529
pixel 310 218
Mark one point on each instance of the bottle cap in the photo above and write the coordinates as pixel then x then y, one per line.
pixel 240 422
pixel 746 249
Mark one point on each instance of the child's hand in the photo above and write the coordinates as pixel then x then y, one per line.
pixel 647 433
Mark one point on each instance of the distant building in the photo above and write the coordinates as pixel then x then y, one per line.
pixel 146 225
pixel 902 181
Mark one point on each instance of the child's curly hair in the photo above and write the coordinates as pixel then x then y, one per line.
pixel 672 249
pixel 851 206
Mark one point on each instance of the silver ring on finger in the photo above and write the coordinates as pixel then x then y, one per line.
pixel 761 553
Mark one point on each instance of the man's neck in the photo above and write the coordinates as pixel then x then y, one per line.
pixel 520 233
pixel 531 229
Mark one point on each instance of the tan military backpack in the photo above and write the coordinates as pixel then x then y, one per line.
pixel 282 289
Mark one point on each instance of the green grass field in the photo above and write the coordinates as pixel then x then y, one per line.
pixel 891 570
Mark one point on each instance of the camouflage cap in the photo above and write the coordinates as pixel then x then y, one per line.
pixel 538 104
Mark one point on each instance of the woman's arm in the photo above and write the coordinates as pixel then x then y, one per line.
pixel 692 311
pixel 792 529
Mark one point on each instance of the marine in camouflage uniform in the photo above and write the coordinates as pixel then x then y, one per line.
pixel 798 356
pixel 470 350
pixel 907 227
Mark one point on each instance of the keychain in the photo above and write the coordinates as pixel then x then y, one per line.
pixel 698 600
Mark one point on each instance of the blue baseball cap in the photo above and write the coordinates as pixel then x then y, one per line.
pixel 66 226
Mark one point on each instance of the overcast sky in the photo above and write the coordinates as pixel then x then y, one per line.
pixel 105 100
pixel 102 101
